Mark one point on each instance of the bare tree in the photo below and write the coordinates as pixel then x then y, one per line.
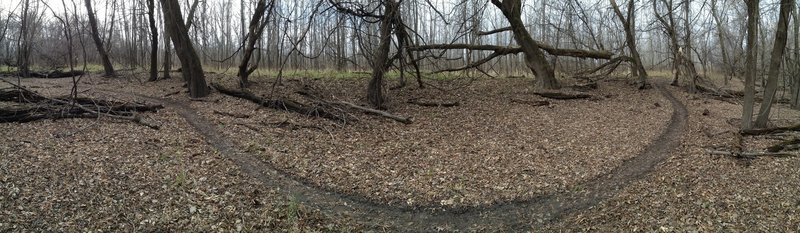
pixel 775 63
pixel 630 39
pixel 534 57
pixel 23 47
pixel 681 55
pixel 107 67
pixel 153 40
pixel 750 69
pixel 191 67
pixel 255 30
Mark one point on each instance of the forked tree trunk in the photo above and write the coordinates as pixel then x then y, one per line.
pixel 375 87
pixel 191 67
pixel 750 68
pixel 630 37
pixel 107 67
pixel 534 57
pixel 255 30
pixel 153 40
pixel 775 63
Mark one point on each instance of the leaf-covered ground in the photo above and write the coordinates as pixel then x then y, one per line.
pixel 489 149
pixel 85 174
pixel 697 192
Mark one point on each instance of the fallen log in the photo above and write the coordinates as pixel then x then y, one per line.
pixel 404 120
pixel 281 104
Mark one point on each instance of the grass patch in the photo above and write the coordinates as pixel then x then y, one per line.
pixel 180 179
pixel 293 214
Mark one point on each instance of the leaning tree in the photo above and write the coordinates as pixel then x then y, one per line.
pixel 533 51
pixel 191 68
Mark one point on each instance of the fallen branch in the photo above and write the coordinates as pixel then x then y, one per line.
pixel 35 107
pixel 505 50
pixel 585 86
pixel 135 118
pixel 560 95
pixel 286 124
pixel 751 132
pixel 754 154
pixel 281 104
pixel 534 103
pixel 433 104
pixel 785 145
pixel 404 120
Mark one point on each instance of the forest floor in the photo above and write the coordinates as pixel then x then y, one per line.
pixel 223 164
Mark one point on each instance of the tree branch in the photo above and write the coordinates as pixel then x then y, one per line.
pixel 499 30
pixel 504 50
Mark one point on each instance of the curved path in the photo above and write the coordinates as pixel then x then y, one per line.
pixel 518 215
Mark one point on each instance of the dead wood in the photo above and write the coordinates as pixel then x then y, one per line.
pixel 752 132
pixel 232 114
pixel 585 86
pixel 534 103
pixel 791 144
pixel 754 154
pixel 433 104
pixel 714 91
pixel 281 104
pixel 172 93
pixel 32 106
pixel 561 95
pixel 286 124
pixel 404 120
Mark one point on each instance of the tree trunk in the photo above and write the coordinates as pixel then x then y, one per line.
pixel 750 69
pixel 375 87
pixel 191 67
pixel 256 28
pixel 630 37
pixel 534 57
pixel 721 40
pixel 795 91
pixel 107 67
pixel 775 63
pixel 23 54
pixel 153 40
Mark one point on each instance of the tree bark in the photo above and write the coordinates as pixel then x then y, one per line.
pixel 153 40
pixel 534 58
pixel 375 87
pixel 191 67
pixel 630 37
pixel 107 67
pixel 256 28
pixel 23 53
pixel 750 69
pixel 775 63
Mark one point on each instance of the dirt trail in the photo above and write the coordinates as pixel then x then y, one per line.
pixel 518 215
